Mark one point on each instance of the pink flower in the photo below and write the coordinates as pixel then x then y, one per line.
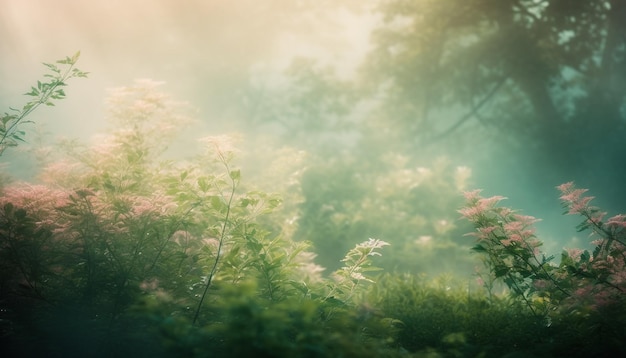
pixel 514 226
pixel 473 195
pixel 149 285
pixel 617 221
pixel 580 206
pixel 565 187
pixel 504 211
pixel 596 218
pixel 583 291
pixel 37 200
pixel 574 195
pixel 574 199
pixel 484 232
pixel 491 201
pixel 526 219
pixel 513 238
pixel 574 254
pixel 471 213
pixel 602 298
pixel 477 205
pixel 541 285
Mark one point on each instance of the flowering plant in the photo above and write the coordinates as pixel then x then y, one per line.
pixel 581 281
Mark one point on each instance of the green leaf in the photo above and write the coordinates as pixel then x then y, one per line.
pixel 235 174
pixel 33 92
pixel 8 208
pixel 217 203
pixel 7 118
pixel 501 271
pixel 28 106
pixel 52 67
pixel 65 61
pixel 585 257
pixel 20 214
pixel 78 73
pixel 17 135
pixel 75 57
pixel 203 184
pixel 479 248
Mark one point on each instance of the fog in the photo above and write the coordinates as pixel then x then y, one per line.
pixel 204 50
pixel 302 178
pixel 213 54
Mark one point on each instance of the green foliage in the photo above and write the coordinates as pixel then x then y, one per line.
pixel 244 324
pixel 46 92
pixel 357 263
pixel 444 316
pixel 410 206
pixel 118 231
pixel 119 244
pixel 23 245
pixel 584 287
pixel 508 246
pixel 502 63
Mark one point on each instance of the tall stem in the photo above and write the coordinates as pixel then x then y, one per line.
pixel 221 241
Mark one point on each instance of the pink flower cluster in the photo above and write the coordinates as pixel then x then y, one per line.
pixel 499 224
pixel 612 232
pixel 478 206
pixel 507 240
pixel 40 202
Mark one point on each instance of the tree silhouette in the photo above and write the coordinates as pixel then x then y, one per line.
pixel 549 76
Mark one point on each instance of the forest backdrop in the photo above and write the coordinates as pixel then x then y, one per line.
pixel 296 178
pixel 527 94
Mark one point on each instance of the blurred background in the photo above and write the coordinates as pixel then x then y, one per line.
pixel 401 105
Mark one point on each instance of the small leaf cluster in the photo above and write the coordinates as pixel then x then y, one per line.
pixel 46 92
pixel 357 261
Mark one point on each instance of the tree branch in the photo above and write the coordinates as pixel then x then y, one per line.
pixel 472 112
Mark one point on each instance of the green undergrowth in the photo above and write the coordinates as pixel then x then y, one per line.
pixel 116 251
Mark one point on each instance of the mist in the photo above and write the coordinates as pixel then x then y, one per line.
pixel 318 158
pixel 218 57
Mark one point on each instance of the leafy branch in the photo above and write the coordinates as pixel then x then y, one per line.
pixel 44 93
pixel 234 176
pixel 357 262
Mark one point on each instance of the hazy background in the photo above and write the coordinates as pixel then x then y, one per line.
pixel 205 50
pixel 346 80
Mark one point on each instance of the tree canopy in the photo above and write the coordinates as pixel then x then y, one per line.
pixel 538 83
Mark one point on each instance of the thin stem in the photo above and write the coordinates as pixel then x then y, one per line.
pixel 43 98
pixel 221 241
